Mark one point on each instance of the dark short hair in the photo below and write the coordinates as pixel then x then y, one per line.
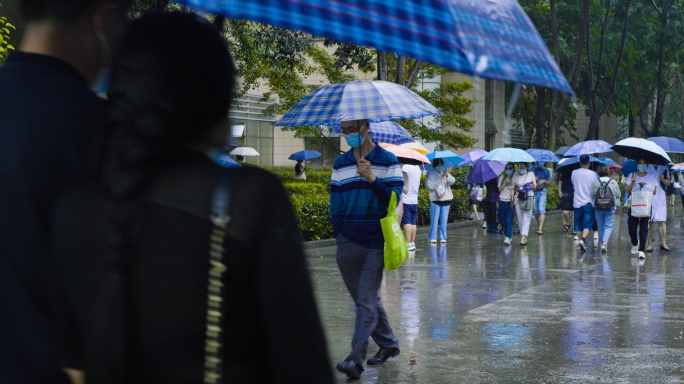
pixel 437 162
pixel 64 11
pixel 603 170
pixel 584 159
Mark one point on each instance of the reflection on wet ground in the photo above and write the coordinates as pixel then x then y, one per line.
pixel 476 311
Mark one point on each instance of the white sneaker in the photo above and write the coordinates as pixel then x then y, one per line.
pixel 507 241
pixel 604 247
pixel 596 236
pixel 443 241
pixel 635 250
pixel 582 246
pixel 642 255
pixel 575 237
pixel 411 247
pixel 433 241
pixel 484 225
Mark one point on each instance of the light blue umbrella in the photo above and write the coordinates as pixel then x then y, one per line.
pixel 472 156
pixel 511 155
pixel 588 147
pixel 607 160
pixel 450 159
pixel 376 101
pixel 385 132
pixel 561 151
pixel 668 144
pixel 494 39
pixel 543 155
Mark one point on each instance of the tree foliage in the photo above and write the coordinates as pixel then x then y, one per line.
pixel 5 46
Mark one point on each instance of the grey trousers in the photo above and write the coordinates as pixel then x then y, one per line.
pixel 361 270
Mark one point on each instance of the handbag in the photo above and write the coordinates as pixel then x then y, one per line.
pixel 220 217
pixel 641 202
pixel 628 206
pixel 396 251
pixel 528 203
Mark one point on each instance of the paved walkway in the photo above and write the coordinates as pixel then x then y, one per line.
pixel 475 311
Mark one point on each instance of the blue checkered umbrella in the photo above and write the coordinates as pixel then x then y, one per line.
pixel 493 39
pixel 543 155
pixel 356 100
pixel 386 132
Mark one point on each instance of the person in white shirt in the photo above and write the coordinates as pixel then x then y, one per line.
pixel 582 180
pixel 605 216
pixel 521 178
pixel 659 210
pixel 439 183
pixel 505 210
pixel 410 199
pixel 642 179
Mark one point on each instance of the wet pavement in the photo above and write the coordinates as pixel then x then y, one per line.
pixel 476 311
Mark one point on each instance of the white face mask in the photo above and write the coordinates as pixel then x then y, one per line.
pixel 101 83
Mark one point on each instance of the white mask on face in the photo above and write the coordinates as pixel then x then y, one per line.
pixel 101 83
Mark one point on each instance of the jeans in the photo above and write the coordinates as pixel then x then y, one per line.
pixel 642 223
pixel 361 270
pixel 524 218
pixel 605 224
pixel 540 202
pixel 506 217
pixel 438 214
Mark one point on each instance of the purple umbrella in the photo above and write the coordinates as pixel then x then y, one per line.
pixel 485 170
pixel 588 147
pixel 472 156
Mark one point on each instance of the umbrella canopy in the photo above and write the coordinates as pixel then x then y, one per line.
pixel 569 165
pixel 607 160
pixel 615 166
pixel 678 167
pixel 225 160
pixel 588 147
pixel 408 156
pixel 450 159
pixel 635 149
pixel 669 144
pixel 561 151
pixel 357 100
pixel 304 155
pixel 485 170
pixel 416 146
pixel 474 155
pixel 513 155
pixel 629 167
pixel 491 39
pixel 543 155
pixel 244 151
pixel 385 132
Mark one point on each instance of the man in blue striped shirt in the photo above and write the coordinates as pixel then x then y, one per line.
pixel 363 181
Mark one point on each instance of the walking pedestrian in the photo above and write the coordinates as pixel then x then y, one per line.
pixel 410 218
pixel 490 202
pixel 439 183
pixel 52 137
pixel 643 179
pixel 565 189
pixel 475 190
pixel 605 194
pixel 659 212
pixel 134 286
pixel 671 190
pixel 357 204
pixel 300 170
pixel 505 209
pixel 520 180
pixel 543 179
pixel 582 180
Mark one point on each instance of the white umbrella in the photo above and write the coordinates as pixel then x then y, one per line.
pixel 244 151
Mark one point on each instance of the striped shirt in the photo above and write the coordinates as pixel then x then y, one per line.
pixel 356 206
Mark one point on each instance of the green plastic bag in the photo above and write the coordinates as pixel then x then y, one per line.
pixel 396 251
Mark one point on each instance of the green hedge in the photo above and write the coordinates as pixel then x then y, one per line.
pixel 305 188
pixel 320 175
pixel 313 214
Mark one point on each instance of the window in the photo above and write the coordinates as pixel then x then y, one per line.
pixel 489 99
pixel 329 147
pixel 257 135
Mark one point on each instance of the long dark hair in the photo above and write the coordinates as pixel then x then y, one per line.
pixel 172 83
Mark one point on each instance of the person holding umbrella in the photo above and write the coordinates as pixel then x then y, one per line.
pixel 299 170
pixel 543 178
pixel 642 178
pixel 524 183
pixel 439 183
pixel 605 194
pixel 505 209
pixel 659 212
pixel 582 180
pixel 356 205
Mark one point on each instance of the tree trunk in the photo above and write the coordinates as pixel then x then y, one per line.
pixel 382 66
pixel 681 96
pixel 413 73
pixel 401 71
pixel 539 121
pixel 631 123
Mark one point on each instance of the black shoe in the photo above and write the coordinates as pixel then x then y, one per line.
pixel 649 250
pixel 383 355
pixel 665 249
pixel 351 368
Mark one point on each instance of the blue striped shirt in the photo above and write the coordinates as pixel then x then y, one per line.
pixel 356 206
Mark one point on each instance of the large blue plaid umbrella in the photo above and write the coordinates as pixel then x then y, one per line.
pixel 386 132
pixel 356 100
pixel 474 155
pixel 543 155
pixel 588 147
pixel 493 39
pixel 669 144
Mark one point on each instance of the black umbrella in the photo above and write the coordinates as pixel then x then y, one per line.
pixel 634 148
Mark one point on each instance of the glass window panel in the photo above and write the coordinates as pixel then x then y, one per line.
pixel 266 151
pixel 266 129
pixel 253 129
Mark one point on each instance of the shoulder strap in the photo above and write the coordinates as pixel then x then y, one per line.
pixel 220 217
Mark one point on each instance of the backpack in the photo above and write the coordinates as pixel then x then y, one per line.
pixel 604 200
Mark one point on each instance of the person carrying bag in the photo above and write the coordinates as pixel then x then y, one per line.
pixel 395 242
